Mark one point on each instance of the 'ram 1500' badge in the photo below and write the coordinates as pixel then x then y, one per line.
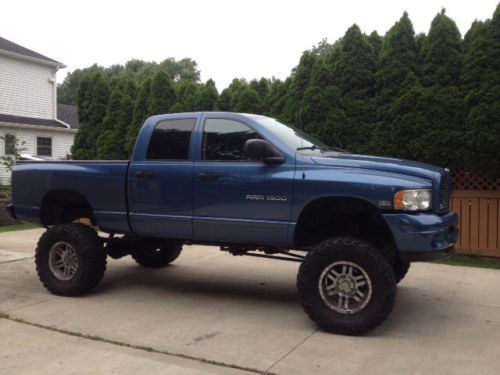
pixel 260 197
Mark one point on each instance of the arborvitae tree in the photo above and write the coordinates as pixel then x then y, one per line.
pixel 248 101
pixel 162 96
pixel 476 59
pixel 82 143
pixel 186 97
pixel 483 120
pixel 111 145
pixel 206 98
pixel 275 100
pixel 224 100
pixel 136 70
pixel 98 109
pixel 274 103
pixel 68 90
pixel 354 76
pixel 299 80
pixel 261 87
pixel 140 114
pixel 236 88
pixel 442 53
pixel 84 97
pixel 440 108
pixel 99 99
pixel 128 87
pixel 315 104
pixel 398 73
pixel 398 60
pixel 427 97
pixel 354 70
pixel 84 146
pixel 376 41
pixel 106 144
pixel 323 110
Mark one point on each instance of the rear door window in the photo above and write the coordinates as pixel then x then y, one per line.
pixel 171 140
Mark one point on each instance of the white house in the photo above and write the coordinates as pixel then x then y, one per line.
pixel 28 106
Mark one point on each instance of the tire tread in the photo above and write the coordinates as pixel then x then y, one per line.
pixel 92 264
pixel 366 250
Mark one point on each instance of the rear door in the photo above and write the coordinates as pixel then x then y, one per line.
pixel 161 182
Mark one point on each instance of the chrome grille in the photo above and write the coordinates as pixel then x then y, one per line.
pixel 444 201
pixel 444 194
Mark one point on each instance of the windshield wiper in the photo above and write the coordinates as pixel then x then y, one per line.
pixel 313 147
pixel 338 149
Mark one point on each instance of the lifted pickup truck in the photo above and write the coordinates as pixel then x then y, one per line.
pixel 252 186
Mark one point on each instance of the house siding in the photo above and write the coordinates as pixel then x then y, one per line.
pixel 26 88
pixel 62 140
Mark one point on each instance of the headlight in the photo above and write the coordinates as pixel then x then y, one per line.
pixel 413 200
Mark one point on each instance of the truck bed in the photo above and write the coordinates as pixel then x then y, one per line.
pixel 102 183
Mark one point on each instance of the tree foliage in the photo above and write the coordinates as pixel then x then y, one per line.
pixel 433 97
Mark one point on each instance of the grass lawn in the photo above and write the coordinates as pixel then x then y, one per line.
pixel 11 228
pixel 471 261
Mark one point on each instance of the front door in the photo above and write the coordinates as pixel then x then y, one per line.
pixel 235 199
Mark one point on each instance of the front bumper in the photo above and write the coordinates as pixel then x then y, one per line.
pixel 423 236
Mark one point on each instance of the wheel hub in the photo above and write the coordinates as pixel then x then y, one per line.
pixel 345 287
pixel 63 261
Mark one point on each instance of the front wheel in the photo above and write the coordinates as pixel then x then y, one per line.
pixel 70 259
pixel 346 286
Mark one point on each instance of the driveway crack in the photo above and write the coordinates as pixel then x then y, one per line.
pixel 268 371
pixel 131 346
pixel 16 260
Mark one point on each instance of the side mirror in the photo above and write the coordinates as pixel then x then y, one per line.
pixel 261 150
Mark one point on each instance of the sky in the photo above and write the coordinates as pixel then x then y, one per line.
pixel 228 39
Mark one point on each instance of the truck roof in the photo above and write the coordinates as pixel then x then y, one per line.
pixel 199 113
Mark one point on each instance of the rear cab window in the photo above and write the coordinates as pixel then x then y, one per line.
pixel 171 140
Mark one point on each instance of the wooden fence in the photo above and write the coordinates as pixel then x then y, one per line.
pixel 476 199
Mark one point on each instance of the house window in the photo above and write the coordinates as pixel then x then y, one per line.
pixel 44 146
pixel 10 144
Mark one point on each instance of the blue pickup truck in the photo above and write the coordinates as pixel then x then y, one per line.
pixel 252 186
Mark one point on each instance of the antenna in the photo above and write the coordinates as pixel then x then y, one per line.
pixel 301 139
pixel 300 116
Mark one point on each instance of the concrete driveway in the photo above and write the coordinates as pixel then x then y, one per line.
pixel 210 312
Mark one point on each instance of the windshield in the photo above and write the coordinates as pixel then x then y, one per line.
pixel 293 137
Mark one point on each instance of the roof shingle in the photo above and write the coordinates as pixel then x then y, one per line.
pixel 12 47
pixel 68 114
pixel 31 121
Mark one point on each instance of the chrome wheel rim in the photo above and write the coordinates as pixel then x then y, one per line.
pixel 345 287
pixel 63 261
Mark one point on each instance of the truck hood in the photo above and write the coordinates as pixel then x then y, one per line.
pixel 400 166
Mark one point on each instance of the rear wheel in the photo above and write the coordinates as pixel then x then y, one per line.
pixel 346 286
pixel 70 259
pixel 154 256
